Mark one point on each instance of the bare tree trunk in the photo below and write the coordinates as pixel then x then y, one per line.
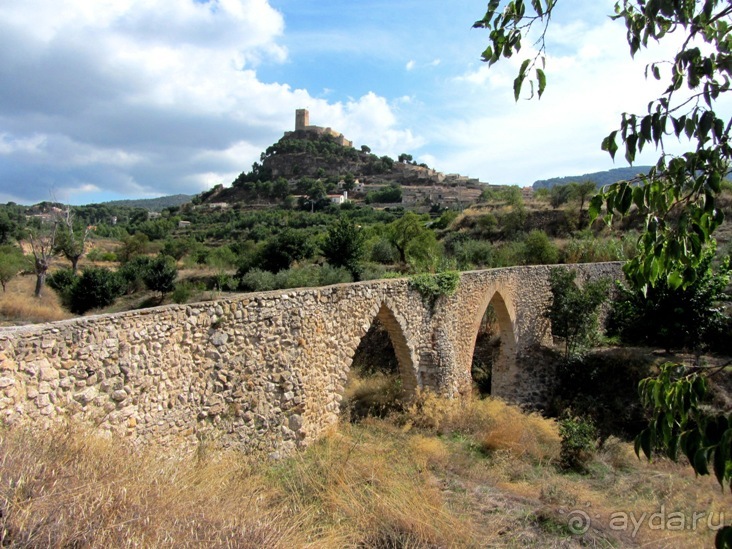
pixel 41 270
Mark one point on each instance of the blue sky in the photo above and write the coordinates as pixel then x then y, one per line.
pixel 108 99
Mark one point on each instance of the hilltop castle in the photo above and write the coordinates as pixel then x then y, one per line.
pixel 303 130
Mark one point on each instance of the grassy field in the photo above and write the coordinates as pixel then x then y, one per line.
pixel 440 474
pixel 19 306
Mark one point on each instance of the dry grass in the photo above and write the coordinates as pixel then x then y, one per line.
pixel 492 422
pixel 354 488
pixel 19 306
pixel 470 474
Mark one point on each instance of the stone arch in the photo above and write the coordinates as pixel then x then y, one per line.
pixel 406 366
pixel 505 362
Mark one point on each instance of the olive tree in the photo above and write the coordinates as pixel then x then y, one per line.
pixel 71 240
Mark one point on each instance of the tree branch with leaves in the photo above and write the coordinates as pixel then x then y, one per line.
pixel 677 197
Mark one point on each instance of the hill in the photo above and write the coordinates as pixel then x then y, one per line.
pixel 152 204
pixel 315 162
pixel 600 178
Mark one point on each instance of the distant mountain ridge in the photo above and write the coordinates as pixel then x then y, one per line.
pixel 600 178
pixel 152 204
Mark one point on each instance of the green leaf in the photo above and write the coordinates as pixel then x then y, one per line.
pixel 700 462
pixel 646 443
pixel 626 199
pixel 541 78
pixel 630 147
pixel 675 280
pixel 722 456
pixel 609 144
pixel 705 124
pixel 595 207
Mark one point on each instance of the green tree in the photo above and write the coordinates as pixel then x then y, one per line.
pixel 96 287
pixel 7 228
pixel 132 273
pixel 11 261
pixel 132 246
pixel 573 311
pixel 281 251
pixel 539 250
pixel 559 194
pixel 407 233
pixel 71 239
pixel 512 195
pixel 160 275
pixel 344 246
pixel 349 181
pixel 582 191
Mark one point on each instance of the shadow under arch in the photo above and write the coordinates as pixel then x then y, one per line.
pixel 504 355
pixel 405 365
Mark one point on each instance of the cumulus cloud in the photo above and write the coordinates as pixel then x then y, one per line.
pixel 148 98
pixel 591 82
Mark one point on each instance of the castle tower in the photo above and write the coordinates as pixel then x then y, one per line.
pixel 302 119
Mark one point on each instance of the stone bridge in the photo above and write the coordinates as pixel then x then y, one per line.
pixel 266 371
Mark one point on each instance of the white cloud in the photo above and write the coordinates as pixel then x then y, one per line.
pixel 410 64
pixel 150 97
pixel 591 81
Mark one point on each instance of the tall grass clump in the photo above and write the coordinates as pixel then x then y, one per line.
pixel 367 490
pixel 494 424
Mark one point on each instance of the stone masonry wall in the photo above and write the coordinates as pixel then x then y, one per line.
pixel 259 372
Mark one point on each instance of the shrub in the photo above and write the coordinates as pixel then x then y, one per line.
pixel 160 274
pixel 331 275
pixel 539 249
pixel 573 311
pixel 297 277
pixel 473 253
pixel 97 287
pixel 384 252
pixel 182 292
pixel 578 443
pixel 132 246
pixel 509 254
pixel 97 254
pixel 222 257
pixel 387 195
pixel 62 281
pixel 257 280
pixel 433 286
pixel 281 251
pixel 132 273
pixel 11 261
